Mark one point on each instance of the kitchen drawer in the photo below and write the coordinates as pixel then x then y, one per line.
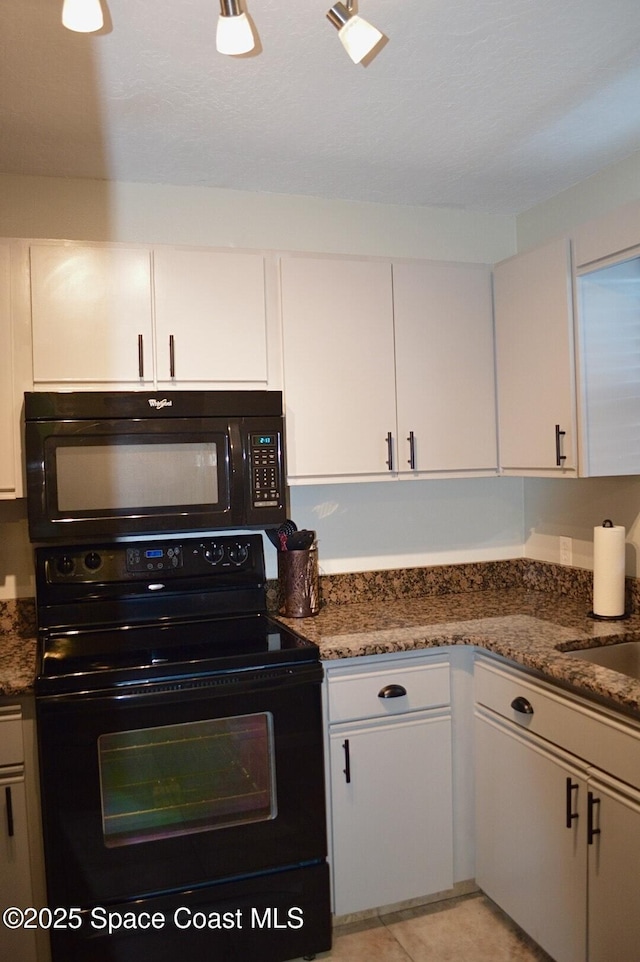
pixel 11 747
pixel 356 693
pixel 604 739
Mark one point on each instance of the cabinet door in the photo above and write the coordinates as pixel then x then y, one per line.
pixel 609 339
pixel 8 416
pixel 534 361
pixel 210 316
pixel 91 310
pixel 391 812
pixel 338 366
pixel 444 367
pixel 614 857
pixel 15 877
pixel 527 859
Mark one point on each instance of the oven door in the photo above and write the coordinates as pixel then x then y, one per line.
pixel 181 784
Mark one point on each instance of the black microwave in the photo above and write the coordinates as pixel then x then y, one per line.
pixel 105 464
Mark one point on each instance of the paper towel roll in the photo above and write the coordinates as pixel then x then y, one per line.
pixel 608 570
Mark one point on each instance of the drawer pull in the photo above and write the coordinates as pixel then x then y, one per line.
pixel 522 705
pixel 392 691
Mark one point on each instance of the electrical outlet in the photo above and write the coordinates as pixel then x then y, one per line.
pixel 566 551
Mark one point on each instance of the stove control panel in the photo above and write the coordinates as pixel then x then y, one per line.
pixel 141 561
pixel 154 557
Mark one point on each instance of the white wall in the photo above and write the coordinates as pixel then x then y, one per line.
pixel 405 523
pixel 571 508
pixel 610 188
pixel 151 213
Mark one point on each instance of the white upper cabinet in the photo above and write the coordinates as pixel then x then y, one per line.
pixel 7 414
pixel 91 314
pixel 337 317
pixel 111 315
pixel 210 316
pixel 608 333
pixel 535 362
pixel 445 367
pixel 388 368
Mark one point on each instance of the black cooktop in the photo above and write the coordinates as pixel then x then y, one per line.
pixel 95 659
pixel 135 612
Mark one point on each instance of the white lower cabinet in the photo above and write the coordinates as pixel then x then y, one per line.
pixel 614 860
pixel 558 837
pixel 391 822
pixel 15 863
pixel 528 861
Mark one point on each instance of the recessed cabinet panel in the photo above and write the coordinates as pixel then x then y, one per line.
pixel 445 367
pixel 614 856
pixel 528 860
pixel 91 311
pixel 392 834
pixel 210 315
pixel 535 361
pixel 339 366
pixel 609 337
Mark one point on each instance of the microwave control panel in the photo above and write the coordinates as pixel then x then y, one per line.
pixel 266 481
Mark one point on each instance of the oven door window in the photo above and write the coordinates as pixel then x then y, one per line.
pixel 178 779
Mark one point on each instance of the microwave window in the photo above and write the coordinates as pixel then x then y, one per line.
pixel 115 476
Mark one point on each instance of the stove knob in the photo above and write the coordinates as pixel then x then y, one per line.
pixel 213 553
pixel 92 561
pixel 238 554
pixel 65 565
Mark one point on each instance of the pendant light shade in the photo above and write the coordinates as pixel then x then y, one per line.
pixel 234 34
pixel 82 16
pixel 358 36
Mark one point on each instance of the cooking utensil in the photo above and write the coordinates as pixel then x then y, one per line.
pixel 276 535
pixel 300 540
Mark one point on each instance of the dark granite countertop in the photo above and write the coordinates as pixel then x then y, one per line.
pixel 17 646
pixel 530 627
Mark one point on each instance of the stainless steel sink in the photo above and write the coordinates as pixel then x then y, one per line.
pixel 623 657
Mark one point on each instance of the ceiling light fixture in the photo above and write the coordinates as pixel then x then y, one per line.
pixel 82 16
pixel 357 35
pixel 234 34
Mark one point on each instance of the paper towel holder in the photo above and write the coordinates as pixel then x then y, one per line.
pixel 622 617
pixel 608 523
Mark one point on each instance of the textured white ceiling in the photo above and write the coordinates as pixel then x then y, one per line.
pixel 490 105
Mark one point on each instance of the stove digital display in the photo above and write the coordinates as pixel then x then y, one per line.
pixel 154 553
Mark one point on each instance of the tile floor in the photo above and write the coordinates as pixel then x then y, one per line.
pixel 469 928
